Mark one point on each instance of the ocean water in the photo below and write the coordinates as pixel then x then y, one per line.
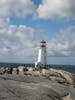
pixel 70 68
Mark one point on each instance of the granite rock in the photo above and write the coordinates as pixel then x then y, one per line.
pixel 60 76
pixel 31 88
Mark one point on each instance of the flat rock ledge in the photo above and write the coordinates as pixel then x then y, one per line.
pixel 17 87
pixel 34 84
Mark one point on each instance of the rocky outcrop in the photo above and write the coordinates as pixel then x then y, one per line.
pixel 35 84
pixel 21 70
pixel 2 70
pixel 58 75
pixel 23 87
pixel 15 71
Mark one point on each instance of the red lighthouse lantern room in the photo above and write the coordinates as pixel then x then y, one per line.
pixel 42 43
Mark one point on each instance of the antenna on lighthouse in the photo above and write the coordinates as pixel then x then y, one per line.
pixel 41 60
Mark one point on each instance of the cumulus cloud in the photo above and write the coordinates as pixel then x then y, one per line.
pixel 50 9
pixel 4 22
pixel 17 8
pixel 63 44
pixel 17 40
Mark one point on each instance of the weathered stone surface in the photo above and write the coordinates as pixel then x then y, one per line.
pixel 2 70
pixel 34 73
pixel 21 70
pixel 58 75
pixel 31 88
pixel 72 93
pixel 15 71
pixel 30 69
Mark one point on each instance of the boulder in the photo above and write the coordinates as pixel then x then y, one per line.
pixel 15 71
pixel 64 74
pixel 2 70
pixel 21 70
pixel 30 69
pixel 58 75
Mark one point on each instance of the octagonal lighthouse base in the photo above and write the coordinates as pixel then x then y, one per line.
pixel 41 60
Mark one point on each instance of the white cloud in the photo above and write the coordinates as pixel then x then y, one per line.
pixel 17 41
pixel 50 9
pixel 4 22
pixel 16 8
pixel 64 43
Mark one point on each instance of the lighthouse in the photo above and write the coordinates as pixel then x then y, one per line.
pixel 41 60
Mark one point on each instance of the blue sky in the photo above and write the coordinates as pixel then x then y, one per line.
pixel 23 23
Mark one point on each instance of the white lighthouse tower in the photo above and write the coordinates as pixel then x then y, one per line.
pixel 41 61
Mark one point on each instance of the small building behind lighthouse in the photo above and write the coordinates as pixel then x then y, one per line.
pixel 41 59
